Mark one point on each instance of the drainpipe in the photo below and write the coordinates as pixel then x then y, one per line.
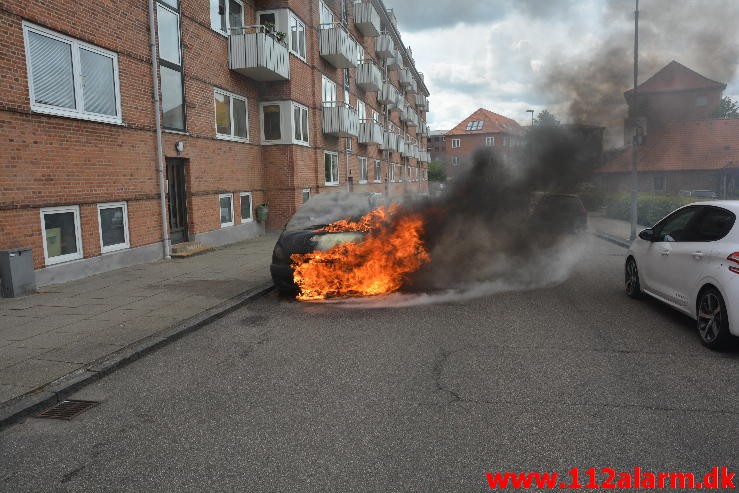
pixel 158 125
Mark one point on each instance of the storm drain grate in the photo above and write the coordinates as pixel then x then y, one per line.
pixel 67 409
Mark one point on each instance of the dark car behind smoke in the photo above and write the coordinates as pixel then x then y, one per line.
pixel 559 213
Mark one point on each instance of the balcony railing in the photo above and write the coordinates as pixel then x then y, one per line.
pixel 402 110
pixel 422 102
pixel 257 54
pixel 413 88
pixel 396 61
pixel 412 120
pixel 369 77
pixel 339 120
pixel 389 95
pixel 367 19
pixel 404 77
pixel 371 132
pixel 384 46
pixel 337 46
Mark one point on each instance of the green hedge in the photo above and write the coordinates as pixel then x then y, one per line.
pixel 650 209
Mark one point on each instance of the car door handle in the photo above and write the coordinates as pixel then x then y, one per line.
pixel 697 255
pixel 665 252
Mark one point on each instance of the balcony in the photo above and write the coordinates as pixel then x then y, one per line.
pixel 404 78
pixel 402 109
pixel 402 147
pixel 339 120
pixel 396 61
pixel 390 142
pixel 421 128
pixel 413 88
pixel 422 102
pixel 371 133
pixel 258 55
pixel 367 19
pixel 412 120
pixel 389 95
pixel 337 46
pixel 369 77
pixel 384 46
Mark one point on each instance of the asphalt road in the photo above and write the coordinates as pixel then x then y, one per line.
pixel 285 396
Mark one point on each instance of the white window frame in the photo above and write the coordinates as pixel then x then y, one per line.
pixel 335 155
pixel 456 143
pixel 294 21
pixel 231 116
pixel 230 196
pixel 326 15
pixel 77 231
pixel 378 171
pixel 217 28
pixel 455 160
pixel 76 46
pixel 391 172
pixel 363 171
pixel 305 131
pixel 119 246
pixel 251 207
pixel 490 141
pixel 328 90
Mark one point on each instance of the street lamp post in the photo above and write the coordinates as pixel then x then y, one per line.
pixel 532 116
pixel 635 140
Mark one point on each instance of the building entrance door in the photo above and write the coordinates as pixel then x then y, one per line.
pixel 177 200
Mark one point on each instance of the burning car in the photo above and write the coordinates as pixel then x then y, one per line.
pixel 347 244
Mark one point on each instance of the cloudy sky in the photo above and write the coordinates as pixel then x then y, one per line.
pixel 573 57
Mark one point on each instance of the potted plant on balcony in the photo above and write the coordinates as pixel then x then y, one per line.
pixel 269 28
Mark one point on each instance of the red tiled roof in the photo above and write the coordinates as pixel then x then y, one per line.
pixel 676 77
pixel 492 123
pixel 687 145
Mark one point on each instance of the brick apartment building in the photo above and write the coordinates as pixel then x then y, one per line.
pixel 260 102
pixel 482 128
pixel 683 148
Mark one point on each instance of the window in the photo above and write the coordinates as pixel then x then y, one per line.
pixel 361 110
pixel 715 223
pixel 362 170
pixel 328 90
pixel 300 123
pixel 490 141
pixel 360 54
pixel 231 116
pixel 227 209
pixel 678 226
pixel 327 16
pixel 701 101
pixel 297 36
pixel 226 15
pixel 113 222
pixel 70 78
pixel 455 160
pixel 392 171
pixel 60 228
pixel 331 164
pixel 659 183
pixel 348 142
pixel 306 195
pixel 246 215
pixel 455 143
pixel 474 125
pixel 378 171
pixel 271 121
pixel 170 67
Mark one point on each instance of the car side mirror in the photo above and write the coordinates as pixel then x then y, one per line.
pixel 648 235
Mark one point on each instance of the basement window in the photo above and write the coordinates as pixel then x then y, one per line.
pixel 113 222
pixel 227 209
pixel 60 228
pixel 246 207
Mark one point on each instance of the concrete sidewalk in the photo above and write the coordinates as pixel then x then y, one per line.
pixel 613 230
pixel 57 340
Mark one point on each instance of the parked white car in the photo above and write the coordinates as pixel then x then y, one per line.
pixel 690 260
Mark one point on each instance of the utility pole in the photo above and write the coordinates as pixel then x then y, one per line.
pixel 635 138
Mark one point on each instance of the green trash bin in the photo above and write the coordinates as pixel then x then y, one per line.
pixel 261 211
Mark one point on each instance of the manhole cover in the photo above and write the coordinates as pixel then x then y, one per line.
pixel 67 409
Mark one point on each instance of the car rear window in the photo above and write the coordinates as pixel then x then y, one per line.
pixel 715 223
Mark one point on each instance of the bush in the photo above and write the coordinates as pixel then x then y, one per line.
pixel 650 208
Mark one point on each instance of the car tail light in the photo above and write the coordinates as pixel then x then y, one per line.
pixel 734 257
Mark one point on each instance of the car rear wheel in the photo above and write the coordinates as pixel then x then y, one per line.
pixel 631 278
pixel 713 323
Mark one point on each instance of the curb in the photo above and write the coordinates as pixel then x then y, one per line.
pixel 47 395
pixel 613 239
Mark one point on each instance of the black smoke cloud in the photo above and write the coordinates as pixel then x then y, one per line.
pixel 700 34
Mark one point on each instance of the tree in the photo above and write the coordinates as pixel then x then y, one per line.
pixel 544 119
pixel 436 171
pixel 727 108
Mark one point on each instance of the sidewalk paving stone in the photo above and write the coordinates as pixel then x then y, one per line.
pixel 67 334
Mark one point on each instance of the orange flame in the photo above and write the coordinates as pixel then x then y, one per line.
pixel 391 249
